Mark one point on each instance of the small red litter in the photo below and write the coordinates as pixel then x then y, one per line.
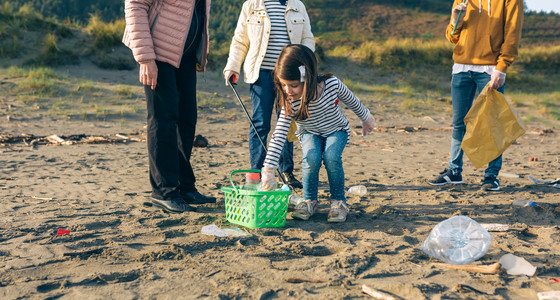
pixel 62 231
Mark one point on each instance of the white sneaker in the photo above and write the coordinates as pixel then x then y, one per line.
pixel 305 209
pixel 338 212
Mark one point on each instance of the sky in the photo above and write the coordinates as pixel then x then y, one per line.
pixel 545 5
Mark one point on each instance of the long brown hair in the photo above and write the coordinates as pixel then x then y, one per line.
pixel 287 68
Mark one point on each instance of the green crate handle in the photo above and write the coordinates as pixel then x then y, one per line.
pixel 240 171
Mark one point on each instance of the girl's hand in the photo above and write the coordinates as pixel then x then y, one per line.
pixel 368 125
pixel 149 73
pixel 268 178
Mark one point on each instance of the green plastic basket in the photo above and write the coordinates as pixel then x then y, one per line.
pixel 255 209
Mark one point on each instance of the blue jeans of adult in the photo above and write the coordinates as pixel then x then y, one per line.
pixel 263 94
pixel 172 114
pixel 316 151
pixel 464 87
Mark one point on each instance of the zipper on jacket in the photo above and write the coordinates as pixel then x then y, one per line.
pixel 154 22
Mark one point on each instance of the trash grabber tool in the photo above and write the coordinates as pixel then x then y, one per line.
pixel 232 83
pixel 457 22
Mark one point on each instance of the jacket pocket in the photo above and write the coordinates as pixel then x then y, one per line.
pixel 255 27
pixel 297 21
pixel 483 49
pixel 255 19
pixel 295 26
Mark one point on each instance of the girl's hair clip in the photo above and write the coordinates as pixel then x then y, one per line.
pixel 301 73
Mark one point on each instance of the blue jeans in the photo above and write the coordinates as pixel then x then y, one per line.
pixel 463 89
pixel 263 94
pixel 318 150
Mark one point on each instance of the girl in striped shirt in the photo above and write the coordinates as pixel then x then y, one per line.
pixel 263 29
pixel 313 101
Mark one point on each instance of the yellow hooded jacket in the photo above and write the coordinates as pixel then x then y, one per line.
pixel 490 33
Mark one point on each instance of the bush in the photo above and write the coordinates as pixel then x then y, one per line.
pixel 104 35
pixel 51 55
pixel 540 58
pixel 400 54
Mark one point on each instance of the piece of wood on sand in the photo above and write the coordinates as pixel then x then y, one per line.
pixel 484 269
pixel 376 294
pixel 54 139
pixel 302 280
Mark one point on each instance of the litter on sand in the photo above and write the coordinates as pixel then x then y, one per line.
pixel 62 231
pixel 485 269
pixel 550 295
pixel 495 227
pixel 458 240
pixel 515 265
pixel 508 175
pixel 377 294
pixel 553 182
pixel 227 232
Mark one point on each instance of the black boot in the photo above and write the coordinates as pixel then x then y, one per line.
pixel 197 198
pixel 291 180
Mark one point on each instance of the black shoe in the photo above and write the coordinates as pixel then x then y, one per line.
pixel 197 198
pixel 490 183
pixel 447 177
pixel 173 205
pixel 291 180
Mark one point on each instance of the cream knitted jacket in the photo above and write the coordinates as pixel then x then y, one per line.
pixel 250 40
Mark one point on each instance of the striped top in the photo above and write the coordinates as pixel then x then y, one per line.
pixel 278 33
pixel 325 117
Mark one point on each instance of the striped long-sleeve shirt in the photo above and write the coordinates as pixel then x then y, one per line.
pixel 278 33
pixel 325 117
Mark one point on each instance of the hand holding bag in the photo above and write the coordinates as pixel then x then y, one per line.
pixel 492 126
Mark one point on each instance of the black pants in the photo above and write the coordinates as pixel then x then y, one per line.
pixel 172 113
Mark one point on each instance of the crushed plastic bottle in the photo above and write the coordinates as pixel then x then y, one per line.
pixel 523 203
pixel 293 200
pixel 458 240
pixel 358 190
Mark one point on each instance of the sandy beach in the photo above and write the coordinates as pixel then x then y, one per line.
pixel 119 248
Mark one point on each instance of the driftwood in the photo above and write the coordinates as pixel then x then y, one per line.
pixel 32 140
pixel 377 294
pixel 301 280
pixel 485 269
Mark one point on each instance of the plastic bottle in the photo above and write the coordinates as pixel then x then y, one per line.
pixel 252 181
pixel 293 200
pixel 523 203
pixel 458 240
pixel 358 190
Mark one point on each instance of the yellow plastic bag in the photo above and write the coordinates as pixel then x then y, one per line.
pixel 492 126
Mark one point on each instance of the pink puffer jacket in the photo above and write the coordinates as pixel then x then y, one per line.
pixel 157 30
